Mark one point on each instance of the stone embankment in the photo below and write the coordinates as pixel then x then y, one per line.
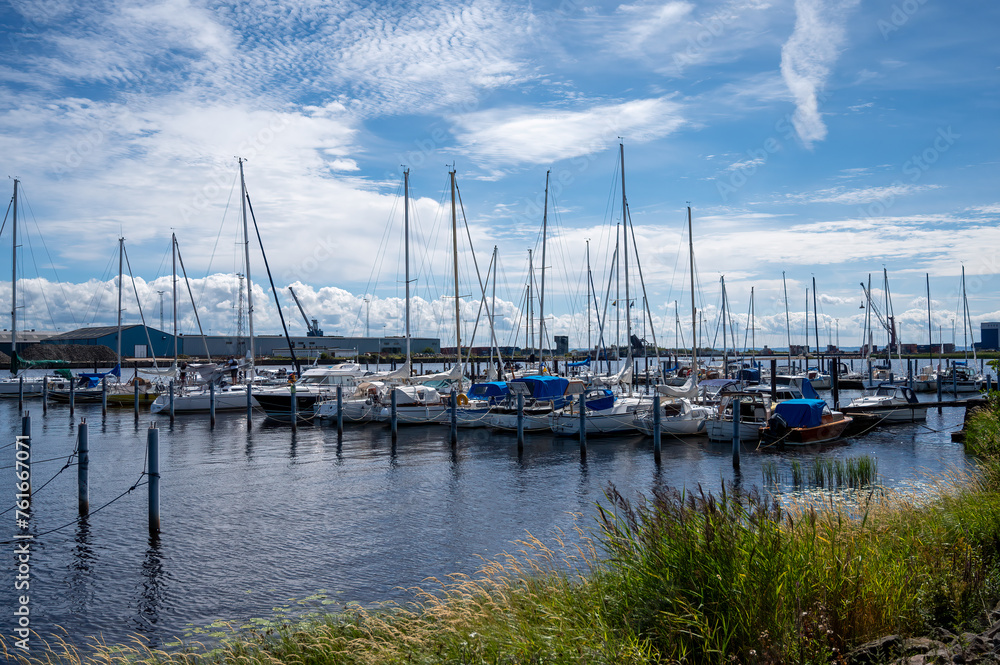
pixel 942 647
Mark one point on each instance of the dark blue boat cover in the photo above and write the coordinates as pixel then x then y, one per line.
pixel 494 391
pixel 801 412
pixel 600 399
pixel 93 379
pixel 545 387
pixel 581 363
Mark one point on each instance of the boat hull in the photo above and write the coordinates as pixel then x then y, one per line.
pixel 200 402
pixel 805 436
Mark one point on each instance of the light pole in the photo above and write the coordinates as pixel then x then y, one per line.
pixel 368 322
pixel 161 309
pixel 838 333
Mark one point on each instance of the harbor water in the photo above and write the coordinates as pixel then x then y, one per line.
pixel 256 519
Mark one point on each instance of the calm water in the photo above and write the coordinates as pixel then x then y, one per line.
pixel 254 519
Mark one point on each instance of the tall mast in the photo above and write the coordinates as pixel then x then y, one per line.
pixel 753 327
pixel 725 359
pixel 246 256
pixel 529 336
pixel 788 321
pixel 965 317
pixel 458 311
pixel 406 252
pixel 541 295
pixel 618 294
pixel 930 330
pixel 121 251
pixel 589 347
pixel 173 257
pixel 13 281
pixel 807 324
pixel 628 300
pixel 815 318
pixel 694 311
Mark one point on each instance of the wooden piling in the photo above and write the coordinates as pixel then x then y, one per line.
pixel 20 394
pixel 211 405
pixel 736 433
pixel 172 400
pixel 835 385
pixel 83 468
pixel 294 406
pixel 520 422
pixel 340 410
pixel 583 420
pixel 657 435
pixel 104 395
pixel 392 412
pixel 135 396
pixel 453 408
pixel 774 380
pixel 45 395
pixel 72 396
pixel 153 472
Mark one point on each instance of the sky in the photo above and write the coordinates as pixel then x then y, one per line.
pixel 826 140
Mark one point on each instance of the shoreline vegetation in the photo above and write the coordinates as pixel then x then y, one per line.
pixel 730 577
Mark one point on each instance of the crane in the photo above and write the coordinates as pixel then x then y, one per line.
pixel 312 329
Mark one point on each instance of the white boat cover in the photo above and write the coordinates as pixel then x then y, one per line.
pixel 624 375
pixel 454 374
pixel 689 390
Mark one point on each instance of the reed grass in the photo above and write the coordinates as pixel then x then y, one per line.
pixel 674 577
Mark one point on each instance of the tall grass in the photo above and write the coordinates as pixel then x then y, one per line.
pixel 855 472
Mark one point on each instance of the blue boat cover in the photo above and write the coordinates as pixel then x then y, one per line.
pixel 750 375
pixel 600 399
pixel 581 363
pixel 801 412
pixel 545 387
pixel 494 391
pixel 93 379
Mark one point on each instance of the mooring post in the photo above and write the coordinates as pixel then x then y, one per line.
pixel 909 373
pixel 83 467
pixel 294 406
pixel 340 410
pixel 954 381
pixel 249 405
pixel 211 404
pixel 171 400
pixel 104 395
pixel 940 389
pixel 774 380
pixel 736 433
pixel 453 407
pixel 135 396
pixel 520 422
pixel 392 413
pixel 153 471
pixel 20 393
pixel 72 396
pixel 657 435
pixel 22 453
pixel 835 384
pixel 583 420
pixel 45 395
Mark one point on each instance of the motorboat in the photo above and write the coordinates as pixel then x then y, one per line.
pixel 890 403
pixel 800 422
pixel 543 394
pixel 605 414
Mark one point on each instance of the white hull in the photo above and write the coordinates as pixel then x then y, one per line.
pixel 597 423
pixel 537 422
pixel 415 415
pixel 355 411
pixel 948 386
pixel 678 427
pixel 200 402
pixel 721 431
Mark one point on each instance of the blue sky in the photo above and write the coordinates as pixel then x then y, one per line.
pixel 814 138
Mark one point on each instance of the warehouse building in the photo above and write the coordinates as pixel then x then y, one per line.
pixel 990 334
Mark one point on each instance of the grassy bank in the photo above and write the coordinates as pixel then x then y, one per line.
pixel 697 578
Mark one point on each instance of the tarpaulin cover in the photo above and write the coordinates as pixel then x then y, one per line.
pixel 801 412
pixel 545 387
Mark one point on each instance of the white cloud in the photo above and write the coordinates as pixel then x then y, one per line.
pixel 527 136
pixel 807 58
pixel 861 195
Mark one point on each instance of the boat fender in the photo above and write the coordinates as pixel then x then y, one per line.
pixel 684 371
pixel 463 400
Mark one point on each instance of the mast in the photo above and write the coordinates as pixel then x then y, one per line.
pixel 725 359
pixel 458 312
pixel 807 325
pixel 406 251
pixel 121 252
pixel 589 347
pixel 694 311
pixel 753 327
pixel 13 281
pixel 618 294
pixel 530 333
pixel 788 321
pixel 815 318
pixel 628 299
pixel 173 257
pixel 930 330
pixel 246 250
pixel 541 295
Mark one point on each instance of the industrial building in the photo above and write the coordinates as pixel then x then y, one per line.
pixel 136 344
pixel 990 334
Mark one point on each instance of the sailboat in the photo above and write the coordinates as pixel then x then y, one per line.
pixel 17 385
pixel 961 377
pixel 680 415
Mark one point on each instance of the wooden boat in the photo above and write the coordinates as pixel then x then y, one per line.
pixel 800 422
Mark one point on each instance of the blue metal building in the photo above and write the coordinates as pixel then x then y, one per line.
pixel 135 343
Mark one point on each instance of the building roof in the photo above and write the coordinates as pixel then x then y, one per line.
pixel 93 332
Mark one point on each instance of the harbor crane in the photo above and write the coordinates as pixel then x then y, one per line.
pixel 312 329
